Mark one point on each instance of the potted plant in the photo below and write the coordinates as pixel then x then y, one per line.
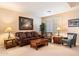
pixel 42 28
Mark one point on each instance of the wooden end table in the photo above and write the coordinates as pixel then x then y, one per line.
pixel 9 43
pixel 57 39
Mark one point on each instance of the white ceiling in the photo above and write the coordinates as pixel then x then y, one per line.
pixel 37 8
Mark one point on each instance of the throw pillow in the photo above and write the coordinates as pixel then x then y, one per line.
pixel 70 36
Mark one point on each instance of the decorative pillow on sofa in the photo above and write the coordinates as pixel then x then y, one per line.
pixel 70 37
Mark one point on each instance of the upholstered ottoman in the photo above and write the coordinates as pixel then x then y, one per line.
pixel 38 42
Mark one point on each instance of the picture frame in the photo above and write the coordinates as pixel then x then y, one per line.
pixel 73 23
pixel 25 23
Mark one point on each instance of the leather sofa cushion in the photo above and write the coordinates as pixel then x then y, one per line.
pixel 23 36
pixel 34 34
pixel 28 34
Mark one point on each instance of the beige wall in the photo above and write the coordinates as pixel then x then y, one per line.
pixel 62 20
pixel 10 18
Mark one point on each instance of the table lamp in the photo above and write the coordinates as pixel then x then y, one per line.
pixel 58 31
pixel 9 29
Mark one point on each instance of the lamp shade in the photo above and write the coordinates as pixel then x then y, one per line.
pixel 8 29
pixel 58 28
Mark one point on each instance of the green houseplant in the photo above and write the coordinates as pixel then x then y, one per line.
pixel 42 28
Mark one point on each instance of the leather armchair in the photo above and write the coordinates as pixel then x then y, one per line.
pixel 71 42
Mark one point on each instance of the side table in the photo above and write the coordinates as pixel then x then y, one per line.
pixel 57 39
pixel 9 43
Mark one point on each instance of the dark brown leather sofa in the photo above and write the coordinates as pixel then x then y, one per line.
pixel 23 38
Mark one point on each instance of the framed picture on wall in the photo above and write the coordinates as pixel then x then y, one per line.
pixel 25 23
pixel 73 23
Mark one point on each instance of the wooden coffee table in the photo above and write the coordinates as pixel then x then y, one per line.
pixel 38 42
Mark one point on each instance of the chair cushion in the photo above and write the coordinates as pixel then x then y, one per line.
pixel 70 37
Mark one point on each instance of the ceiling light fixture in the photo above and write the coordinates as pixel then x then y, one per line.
pixel 48 11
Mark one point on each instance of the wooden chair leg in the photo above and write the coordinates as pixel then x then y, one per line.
pixel 74 45
pixel 62 43
pixel 70 46
pixel 36 48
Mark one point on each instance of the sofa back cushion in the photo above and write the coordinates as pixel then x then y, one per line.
pixel 23 36
pixel 28 34
pixel 35 34
pixel 18 34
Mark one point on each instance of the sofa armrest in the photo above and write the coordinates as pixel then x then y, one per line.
pixel 65 37
pixel 17 37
